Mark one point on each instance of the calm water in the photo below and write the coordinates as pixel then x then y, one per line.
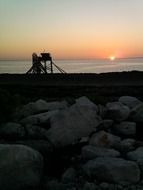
pixel 78 66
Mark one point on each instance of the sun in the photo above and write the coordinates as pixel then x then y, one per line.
pixel 112 58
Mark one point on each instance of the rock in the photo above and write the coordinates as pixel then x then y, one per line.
pixel 129 101
pixel 108 186
pixel 117 111
pixel 46 150
pixel 56 185
pixel 105 124
pixel 39 119
pixel 102 110
pixel 70 125
pixel 113 170
pixel 105 186
pixel 30 109
pixel 84 140
pixel 125 128
pixel 136 155
pixel 137 113
pixel 69 176
pixel 104 139
pixel 126 145
pixel 85 102
pixel 90 152
pixel 35 132
pixel 21 167
pixel 42 146
pixel 89 186
pixel 38 107
pixel 57 105
pixel 12 131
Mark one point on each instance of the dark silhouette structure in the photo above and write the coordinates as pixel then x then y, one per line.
pixel 43 64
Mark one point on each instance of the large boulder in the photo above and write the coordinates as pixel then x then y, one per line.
pixel 38 107
pixel 113 170
pixel 12 131
pixel 70 125
pixel 126 128
pixel 117 111
pixel 91 152
pixel 129 101
pixel 104 139
pixel 20 167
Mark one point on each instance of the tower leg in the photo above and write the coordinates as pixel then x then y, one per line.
pixel 51 66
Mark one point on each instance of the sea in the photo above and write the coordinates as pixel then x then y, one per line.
pixel 77 66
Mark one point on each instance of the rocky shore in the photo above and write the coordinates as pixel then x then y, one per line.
pixel 76 145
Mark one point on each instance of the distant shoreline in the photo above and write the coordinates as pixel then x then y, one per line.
pixel 76 79
pixel 100 88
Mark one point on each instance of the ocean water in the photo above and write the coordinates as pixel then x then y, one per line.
pixel 78 66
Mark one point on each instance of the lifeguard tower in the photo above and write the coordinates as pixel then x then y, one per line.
pixel 43 64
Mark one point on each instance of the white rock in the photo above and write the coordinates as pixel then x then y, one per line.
pixel 35 132
pixel 38 107
pixel 113 170
pixel 72 124
pixel 129 101
pixel 85 102
pixel 39 119
pixel 125 128
pixel 117 111
pixel 90 152
pixel 20 167
pixel 104 139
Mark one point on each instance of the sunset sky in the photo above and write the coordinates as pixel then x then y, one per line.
pixel 71 29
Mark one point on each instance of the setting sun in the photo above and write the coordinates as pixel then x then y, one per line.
pixel 112 58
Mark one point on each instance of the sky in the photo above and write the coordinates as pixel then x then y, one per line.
pixel 71 29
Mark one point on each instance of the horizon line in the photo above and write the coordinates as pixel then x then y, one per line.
pixel 97 58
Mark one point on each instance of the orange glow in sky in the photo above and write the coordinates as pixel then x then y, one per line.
pixel 77 29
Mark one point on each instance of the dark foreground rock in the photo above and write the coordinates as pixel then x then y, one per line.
pixel 111 170
pixel 73 146
pixel 20 167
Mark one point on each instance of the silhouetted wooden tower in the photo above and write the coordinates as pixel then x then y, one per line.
pixel 43 64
